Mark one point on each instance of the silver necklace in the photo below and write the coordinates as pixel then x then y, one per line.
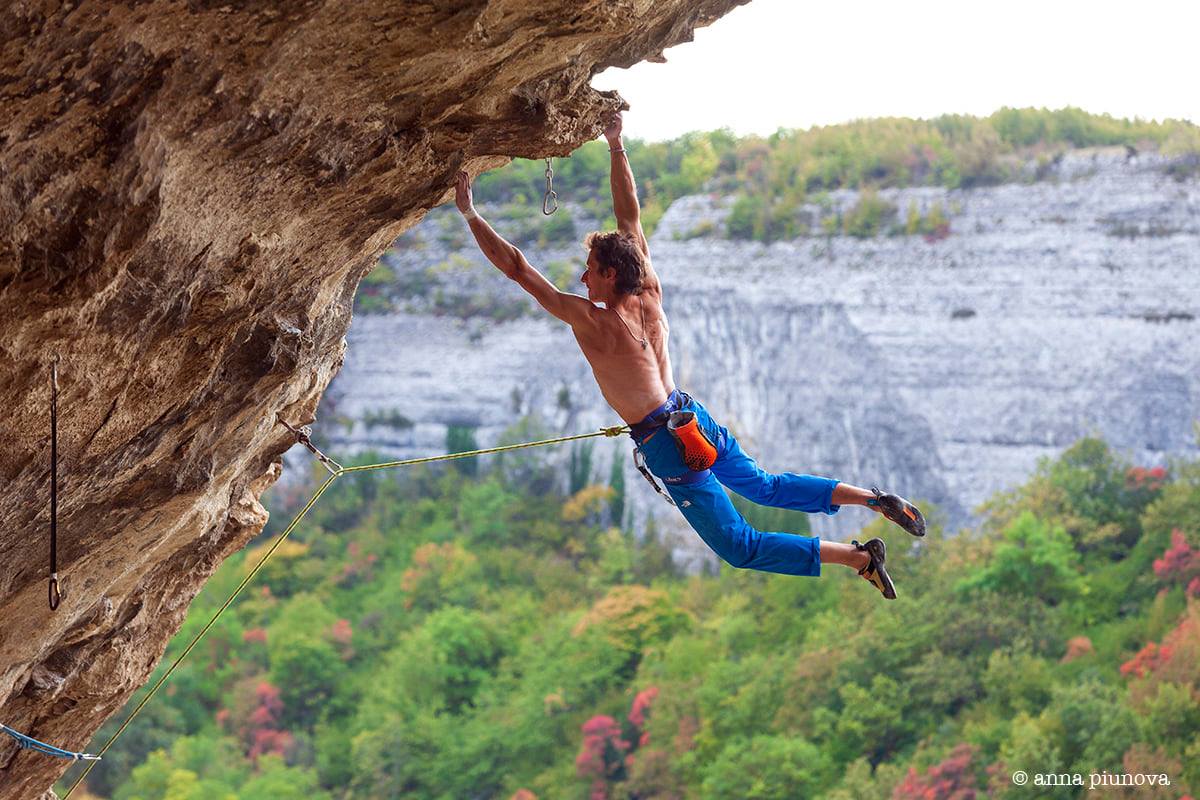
pixel 642 339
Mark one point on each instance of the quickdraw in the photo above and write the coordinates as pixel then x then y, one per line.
pixel 550 199
pixel 303 434
pixel 55 595
pixel 639 461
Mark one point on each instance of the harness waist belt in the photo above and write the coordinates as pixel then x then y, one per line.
pixel 659 416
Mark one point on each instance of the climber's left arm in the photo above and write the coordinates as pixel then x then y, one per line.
pixel 576 311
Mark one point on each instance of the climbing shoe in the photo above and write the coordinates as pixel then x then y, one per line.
pixel 875 571
pixel 899 511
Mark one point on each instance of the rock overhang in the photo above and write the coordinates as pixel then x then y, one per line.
pixel 189 195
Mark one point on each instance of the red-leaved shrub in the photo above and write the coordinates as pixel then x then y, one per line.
pixel 602 756
pixel 637 714
pixel 955 778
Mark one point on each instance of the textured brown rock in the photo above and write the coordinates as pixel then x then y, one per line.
pixel 190 193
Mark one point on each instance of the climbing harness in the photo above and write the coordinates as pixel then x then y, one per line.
pixel 550 199
pixel 695 449
pixel 29 743
pixel 55 594
pixel 303 436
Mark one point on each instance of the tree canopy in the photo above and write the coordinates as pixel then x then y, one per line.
pixel 445 633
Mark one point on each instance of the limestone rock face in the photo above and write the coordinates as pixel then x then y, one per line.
pixel 189 195
pixel 944 369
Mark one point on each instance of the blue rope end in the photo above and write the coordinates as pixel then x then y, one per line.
pixel 29 743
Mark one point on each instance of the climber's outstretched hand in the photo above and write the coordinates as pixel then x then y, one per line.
pixel 612 128
pixel 462 193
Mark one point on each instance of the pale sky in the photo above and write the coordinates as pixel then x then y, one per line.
pixel 797 63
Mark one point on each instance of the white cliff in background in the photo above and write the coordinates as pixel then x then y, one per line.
pixel 940 369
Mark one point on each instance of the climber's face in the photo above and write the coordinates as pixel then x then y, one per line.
pixel 600 282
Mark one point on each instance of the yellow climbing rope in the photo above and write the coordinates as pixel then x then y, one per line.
pixel 336 471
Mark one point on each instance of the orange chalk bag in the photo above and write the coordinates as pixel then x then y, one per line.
pixel 695 448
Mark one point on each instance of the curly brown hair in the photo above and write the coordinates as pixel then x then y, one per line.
pixel 621 252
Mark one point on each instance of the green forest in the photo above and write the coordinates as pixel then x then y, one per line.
pixel 773 176
pixel 482 630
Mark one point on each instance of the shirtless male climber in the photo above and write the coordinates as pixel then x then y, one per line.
pixel 622 330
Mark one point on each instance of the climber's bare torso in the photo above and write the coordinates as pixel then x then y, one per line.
pixel 634 380
pixel 622 335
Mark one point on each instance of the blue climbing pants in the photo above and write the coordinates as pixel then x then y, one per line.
pixel 701 498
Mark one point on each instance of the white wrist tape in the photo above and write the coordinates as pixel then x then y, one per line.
pixel 470 214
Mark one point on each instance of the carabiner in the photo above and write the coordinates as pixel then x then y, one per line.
pixel 551 196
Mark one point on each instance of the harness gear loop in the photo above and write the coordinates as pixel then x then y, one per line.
pixel 551 197
pixel 302 436
pixel 639 461
pixel 54 595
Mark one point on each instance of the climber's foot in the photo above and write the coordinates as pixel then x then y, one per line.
pixel 899 511
pixel 875 572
